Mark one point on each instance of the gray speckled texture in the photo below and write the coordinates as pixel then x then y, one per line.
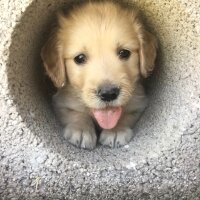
pixel 162 161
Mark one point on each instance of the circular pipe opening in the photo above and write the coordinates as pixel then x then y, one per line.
pixel 172 89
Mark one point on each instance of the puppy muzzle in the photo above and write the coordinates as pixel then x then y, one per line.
pixel 108 92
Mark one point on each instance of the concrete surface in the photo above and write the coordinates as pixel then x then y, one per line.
pixel 162 161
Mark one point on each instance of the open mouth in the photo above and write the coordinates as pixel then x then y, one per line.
pixel 107 118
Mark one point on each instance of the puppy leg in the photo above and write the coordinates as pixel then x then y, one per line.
pixel 122 134
pixel 79 129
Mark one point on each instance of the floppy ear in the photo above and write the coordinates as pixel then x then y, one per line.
pixel 53 60
pixel 148 48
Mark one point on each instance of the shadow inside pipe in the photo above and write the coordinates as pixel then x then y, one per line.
pixel 28 85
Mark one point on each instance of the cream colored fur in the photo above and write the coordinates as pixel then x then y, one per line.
pixel 98 29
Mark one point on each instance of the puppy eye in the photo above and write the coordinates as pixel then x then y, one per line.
pixel 80 59
pixel 124 54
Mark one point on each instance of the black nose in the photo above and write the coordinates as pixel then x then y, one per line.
pixel 108 92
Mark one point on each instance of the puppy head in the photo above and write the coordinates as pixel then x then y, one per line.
pixel 102 49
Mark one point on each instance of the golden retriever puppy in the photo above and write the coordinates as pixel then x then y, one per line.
pixel 96 57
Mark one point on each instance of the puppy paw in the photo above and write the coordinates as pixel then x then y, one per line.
pixel 81 137
pixel 116 138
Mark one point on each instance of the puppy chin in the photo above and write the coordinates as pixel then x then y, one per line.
pixel 107 115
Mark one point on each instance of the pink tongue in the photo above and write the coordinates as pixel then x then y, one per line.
pixel 108 118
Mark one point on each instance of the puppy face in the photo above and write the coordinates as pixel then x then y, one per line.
pixel 101 50
pixel 101 53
